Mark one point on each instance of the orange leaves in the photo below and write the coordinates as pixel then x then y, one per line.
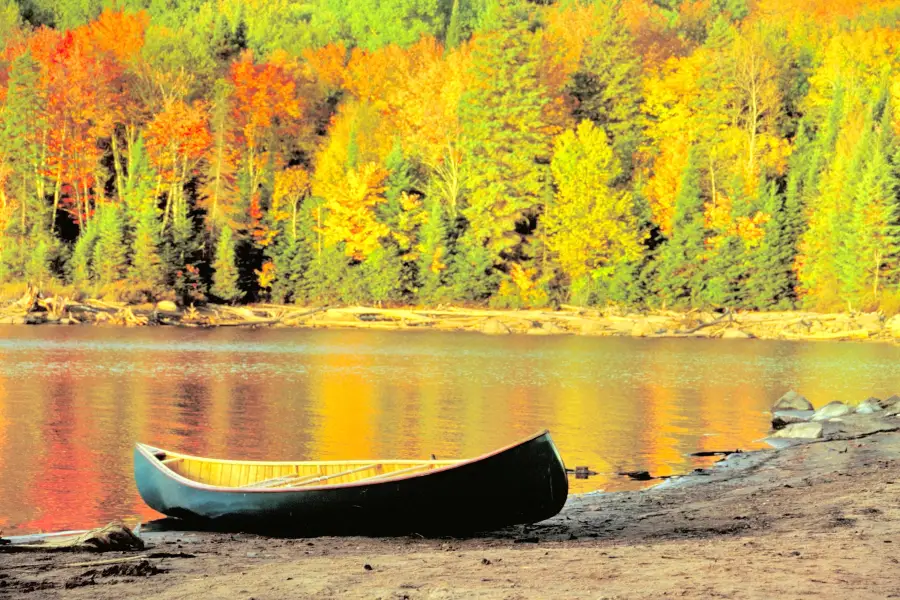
pixel 265 96
pixel 177 139
pixel 328 65
pixel 119 34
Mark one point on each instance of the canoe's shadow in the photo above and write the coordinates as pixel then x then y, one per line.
pixel 172 525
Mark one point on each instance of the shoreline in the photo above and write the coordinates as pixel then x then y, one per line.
pixel 785 325
pixel 821 514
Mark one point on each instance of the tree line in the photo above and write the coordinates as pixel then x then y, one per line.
pixel 667 153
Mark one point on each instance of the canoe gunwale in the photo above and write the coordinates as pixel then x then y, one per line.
pixel 149 454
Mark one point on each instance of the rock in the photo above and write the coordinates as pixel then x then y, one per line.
pixel 792 401
pixel 13 320
pixel 892 401
pixel 869 406
pixel 593 327
pixel 782 418
pixel 802 431
pixel 893 324
pixel 642 329
pixel 736 334
pixel 553 328
pixel 166 306
pixel 494 327
pixel 832 410
pixel 872 322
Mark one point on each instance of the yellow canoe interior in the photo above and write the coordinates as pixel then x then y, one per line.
pixel 273 475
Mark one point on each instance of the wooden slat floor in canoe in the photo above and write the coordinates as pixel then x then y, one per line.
pixel 272 475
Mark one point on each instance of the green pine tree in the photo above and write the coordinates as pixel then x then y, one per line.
pixel 772 281
pixel 454 29
pixel 681 270
pixel 147 267
pixel 80 263
pixel 433 254
pixel 110 252
pixel 607 86
pixel 226 276
pixel 472 274
pixel 505 145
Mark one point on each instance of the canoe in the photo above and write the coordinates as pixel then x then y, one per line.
pixel 521 483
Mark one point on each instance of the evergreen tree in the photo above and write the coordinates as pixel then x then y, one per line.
pixel 110 252
pixel 454 29
pixel 505 143
pixel 80 263
pixel 20 141
pixel 383 274
pixel 147 267
pixel 328 272
pixel 433 254
pixel 607 85
pixel 472 274
pixel 226 276
pixel 772 278
pixel 681 270
pixel 867 259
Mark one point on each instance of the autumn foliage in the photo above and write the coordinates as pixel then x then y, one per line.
pixel 712 153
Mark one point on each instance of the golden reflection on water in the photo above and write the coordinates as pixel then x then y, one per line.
pixel 74 400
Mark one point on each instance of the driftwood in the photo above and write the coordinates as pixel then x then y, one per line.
pixel 113 537
pixel 726 315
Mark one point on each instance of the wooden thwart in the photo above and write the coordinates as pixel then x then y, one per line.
pixel 400 472
pixel 301 480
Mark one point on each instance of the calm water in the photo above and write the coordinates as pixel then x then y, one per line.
pixel 74 400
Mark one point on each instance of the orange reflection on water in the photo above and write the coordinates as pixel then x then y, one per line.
pixel 73 402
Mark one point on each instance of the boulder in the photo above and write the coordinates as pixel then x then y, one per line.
pixel 872 322
pixel 736 334
pixel 892 401
pixel 869 406
pixel 166 306
pixel 13 320
pixel 593 327
pixel 553 328
pixel 782 418
pixel 642 329
pixel 792 401
pixel 893 324
pixel 494 327
pixel 832 410
pixel 801 431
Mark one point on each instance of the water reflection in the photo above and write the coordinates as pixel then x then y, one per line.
pixel 74 400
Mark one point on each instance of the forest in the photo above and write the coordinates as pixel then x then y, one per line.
pixel 671 154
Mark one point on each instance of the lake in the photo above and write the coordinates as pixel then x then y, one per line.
pixel 74 400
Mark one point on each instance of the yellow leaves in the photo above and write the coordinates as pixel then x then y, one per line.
pixel 857 62
pixel 523 284
pixel 351 217
pixel 291 185
pixel 589 224
pixel 408 221
pixel 266 276
pixel 437 262
pixel 719 219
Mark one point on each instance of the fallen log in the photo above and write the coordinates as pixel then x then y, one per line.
pixel 727 315
pixel 113 537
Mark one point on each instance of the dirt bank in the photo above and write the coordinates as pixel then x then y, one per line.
pixel 817 520
pixel 34 309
